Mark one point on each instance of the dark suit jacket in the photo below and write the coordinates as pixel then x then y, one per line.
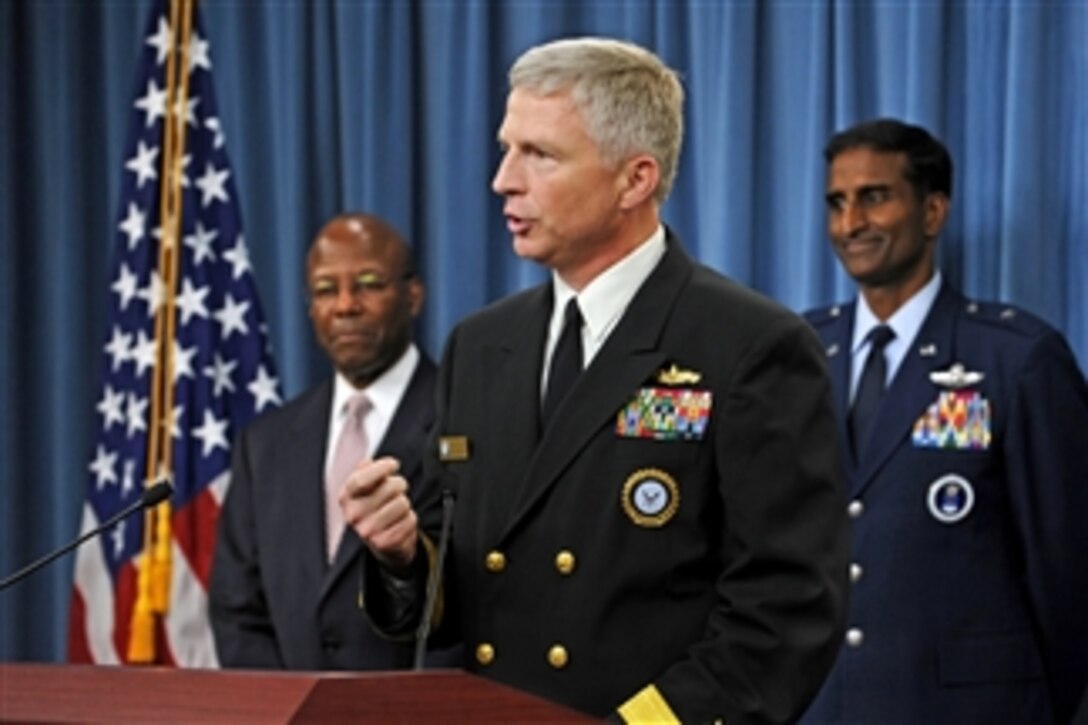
pixel 985 618
pixel 733 606
pixel 275 601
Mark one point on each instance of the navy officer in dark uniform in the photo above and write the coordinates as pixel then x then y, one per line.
pixel 964 433
pixel 649 523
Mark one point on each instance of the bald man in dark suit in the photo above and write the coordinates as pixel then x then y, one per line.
pixel 284 589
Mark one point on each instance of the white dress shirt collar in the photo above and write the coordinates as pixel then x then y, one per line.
pixel 905 323
pixel 604 300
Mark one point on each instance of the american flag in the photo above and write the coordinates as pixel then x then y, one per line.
pixel 221 374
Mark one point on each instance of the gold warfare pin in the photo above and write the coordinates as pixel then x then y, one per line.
pixel 678 376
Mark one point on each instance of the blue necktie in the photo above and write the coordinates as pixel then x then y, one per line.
pixel 870 389
pixel 566 363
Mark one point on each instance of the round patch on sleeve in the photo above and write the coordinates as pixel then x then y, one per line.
pixel 650 497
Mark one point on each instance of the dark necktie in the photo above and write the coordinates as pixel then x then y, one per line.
pixel 870 389
pixel 566 363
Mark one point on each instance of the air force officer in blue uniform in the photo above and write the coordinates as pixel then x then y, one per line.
pixel 966 455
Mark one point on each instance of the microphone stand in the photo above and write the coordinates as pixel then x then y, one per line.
pixel 433 578
pixel 152 495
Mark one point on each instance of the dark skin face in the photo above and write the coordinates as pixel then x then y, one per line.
pixel 362 301
pixel 882 232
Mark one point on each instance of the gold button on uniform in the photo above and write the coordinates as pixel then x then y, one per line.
pixel 485 653
pixel 495 561
pixel 557 656
pixel 564 562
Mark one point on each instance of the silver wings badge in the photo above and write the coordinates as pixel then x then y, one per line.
pixel 956 377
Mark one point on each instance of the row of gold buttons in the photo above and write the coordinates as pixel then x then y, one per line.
pixel 557 655
pixel 495 562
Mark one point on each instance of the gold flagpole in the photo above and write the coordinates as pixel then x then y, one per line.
pixel 154 564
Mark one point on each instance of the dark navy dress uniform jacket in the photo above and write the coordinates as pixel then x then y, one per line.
pixel 726 604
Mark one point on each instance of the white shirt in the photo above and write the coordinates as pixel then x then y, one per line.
pixel 603 301
pixel 905 323
pixel 385 395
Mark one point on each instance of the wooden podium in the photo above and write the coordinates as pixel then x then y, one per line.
pixel 84 693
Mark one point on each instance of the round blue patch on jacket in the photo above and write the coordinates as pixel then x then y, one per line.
pixel 950 498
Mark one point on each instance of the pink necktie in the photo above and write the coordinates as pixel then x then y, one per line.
pixel 351 448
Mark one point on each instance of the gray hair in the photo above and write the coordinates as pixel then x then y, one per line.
pixel 630 101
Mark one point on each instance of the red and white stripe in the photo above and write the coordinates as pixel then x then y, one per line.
pixel 101 609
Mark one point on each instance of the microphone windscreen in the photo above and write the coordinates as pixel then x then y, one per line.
pixel 157 493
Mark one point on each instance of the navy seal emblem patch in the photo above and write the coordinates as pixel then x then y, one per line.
pixel 650 497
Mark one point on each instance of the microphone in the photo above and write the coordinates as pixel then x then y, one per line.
pixel 153 494
pixel 433 578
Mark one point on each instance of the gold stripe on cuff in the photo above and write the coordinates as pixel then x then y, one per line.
pixel 648 706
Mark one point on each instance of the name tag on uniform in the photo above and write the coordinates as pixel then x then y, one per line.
pixel 453 448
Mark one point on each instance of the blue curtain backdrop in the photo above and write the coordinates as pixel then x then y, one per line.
pixel 391 106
